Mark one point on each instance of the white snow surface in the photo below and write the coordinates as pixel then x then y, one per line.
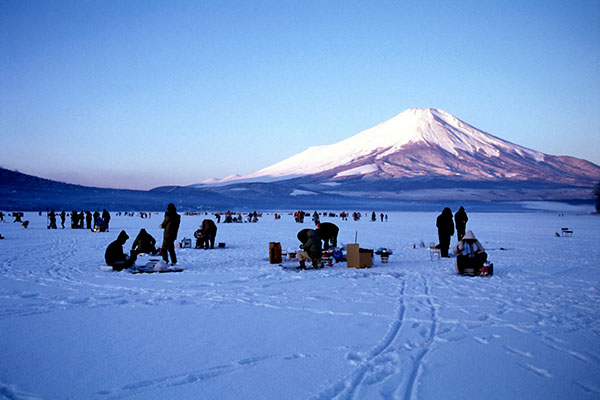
pixel 233 326
pixel 430 126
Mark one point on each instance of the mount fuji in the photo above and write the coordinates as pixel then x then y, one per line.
pixel 424 143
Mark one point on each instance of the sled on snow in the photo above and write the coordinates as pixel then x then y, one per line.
pixel 487 269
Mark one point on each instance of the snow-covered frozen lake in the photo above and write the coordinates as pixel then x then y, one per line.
pixel 232 326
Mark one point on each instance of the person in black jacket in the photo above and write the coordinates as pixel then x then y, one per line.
pixel 460 219
pixel 88 220
pixel 328 232
pixel 445 227
pixel 114 255
pixel 171 226
pixel 106 218
pixel 143 243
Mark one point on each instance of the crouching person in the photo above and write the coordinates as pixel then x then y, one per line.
pixel 311 248
pixel 206 234
pixel 143 243
pixel 471 254
pixel 114 255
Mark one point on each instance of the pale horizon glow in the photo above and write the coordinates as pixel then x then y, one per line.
pixel 139 94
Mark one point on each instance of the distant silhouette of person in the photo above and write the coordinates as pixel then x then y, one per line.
pixel 88 220
pixel 106 218
pixel 52 217
pixel 445 227
pixel 63 217
pixel 95 217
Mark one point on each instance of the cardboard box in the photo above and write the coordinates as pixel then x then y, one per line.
pixel 357 257
pixel 275 252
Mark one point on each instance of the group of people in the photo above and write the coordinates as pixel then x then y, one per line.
pixel 100 222
pixel 145 243
pixel 470 253
pixel 314 241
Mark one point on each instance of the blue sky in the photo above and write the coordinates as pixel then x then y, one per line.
pixel 137 94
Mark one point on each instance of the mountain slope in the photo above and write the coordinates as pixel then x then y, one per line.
pixel 424 142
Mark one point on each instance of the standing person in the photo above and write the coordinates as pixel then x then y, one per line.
pixel 52 217
pixel 445 227
pixel 74 223
pixel 171 226
pixel 316 218
pixel 106 218
pixel 88 220
pixel 460 219
pixel 63 217
pixel 373 217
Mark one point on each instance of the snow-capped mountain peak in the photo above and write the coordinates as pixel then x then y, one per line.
pixel 417 142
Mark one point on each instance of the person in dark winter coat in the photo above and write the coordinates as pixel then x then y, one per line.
pixel 52 217
pixel 106 218
pixel 460 219
pixel 114 255
pixel 143 243
pixel 95 217
pixel 171 226
pixel 328 232
pixel 205 234
pixel 88 220
pixel 445 227
pixel 311 248
pixel 316 218
pixel 63 217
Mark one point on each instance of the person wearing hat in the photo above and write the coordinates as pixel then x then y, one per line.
pixel 114 255
pixel 471 254
pixel 171 226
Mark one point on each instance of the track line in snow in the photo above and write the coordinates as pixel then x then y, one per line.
pixel 186 378
pixel 417 365
pixel 346 388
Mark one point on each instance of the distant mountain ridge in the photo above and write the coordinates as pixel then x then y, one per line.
pixel 424 143
pixel 421 159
